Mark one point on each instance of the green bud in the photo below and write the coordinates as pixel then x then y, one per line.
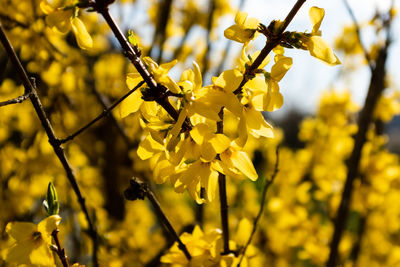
pixel 51 203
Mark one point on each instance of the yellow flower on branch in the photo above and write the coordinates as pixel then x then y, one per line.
pixel 244 30
pixel 62 19
pixel 314 43
pixel 32 242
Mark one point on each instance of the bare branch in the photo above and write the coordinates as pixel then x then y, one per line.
pixel 16 100
pixel 104 113
pixel 139 190
pixel 357 27
pixel 271 43
pixel 260 212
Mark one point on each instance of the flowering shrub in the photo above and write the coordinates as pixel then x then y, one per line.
pixel 191 144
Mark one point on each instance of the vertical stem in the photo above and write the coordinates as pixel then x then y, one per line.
pixel 224 211
pixel 222 194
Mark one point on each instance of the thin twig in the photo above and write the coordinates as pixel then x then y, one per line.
pixel 358 33
pixel 377 85
pixel 53 140
pixel 139 190
pixel 16 100
pixel 271 44
pixel 260 212
pixel 59 250
pixel 104 113
pixel 105 102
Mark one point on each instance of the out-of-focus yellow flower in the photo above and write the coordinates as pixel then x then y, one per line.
pixel 31 242
pixel 62 19
pixel 244 30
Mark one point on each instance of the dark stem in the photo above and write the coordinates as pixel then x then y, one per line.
pixel 16 100
pixel 60 251
pixel 358 33
pixel 133 54
pixel 53 140
pixel 375 89
pixel 162 27
pixel 104 113
pixel 105 102
pixel 224 211
pixel 222 194
pixel 260 212
pixel 138 190
pixel 271 43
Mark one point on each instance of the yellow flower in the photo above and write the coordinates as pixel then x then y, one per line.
pixel 62 19
pixel 31 242
pixel 317 46
pixel 244 30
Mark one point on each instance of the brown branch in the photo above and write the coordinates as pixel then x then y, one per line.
pixel 59 250
pixel 377 85
pixel 272 42
pixel 139 190
pixel 357 27
pixel 160 92
pixel 53 140
pixel 104 113
pixel 222 194
pixel 16 100
pixel 260 212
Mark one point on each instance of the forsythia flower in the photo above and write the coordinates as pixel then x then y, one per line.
pixel 244 30
pixel 206 248
pixel 63 19
pixel 314 43
pixel 31 246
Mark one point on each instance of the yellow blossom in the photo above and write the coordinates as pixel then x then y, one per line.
pixel 31 242
pixel 244 30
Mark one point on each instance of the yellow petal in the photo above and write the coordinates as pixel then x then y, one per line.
pixel 20 230
pixel 321 49
pixel 199 132
pixel 48 225
pixel 242 162
pixel 229 80
pixel 59 20
pixel 82 36
pixel 281 66
pixel 131 104
pixel 220 142
pixel 257 123
pixel 316 16
pixel 46 7
pixel 148 147
pixel 42 256
pixel 132 79
pixel 244 231
pixel 239 34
